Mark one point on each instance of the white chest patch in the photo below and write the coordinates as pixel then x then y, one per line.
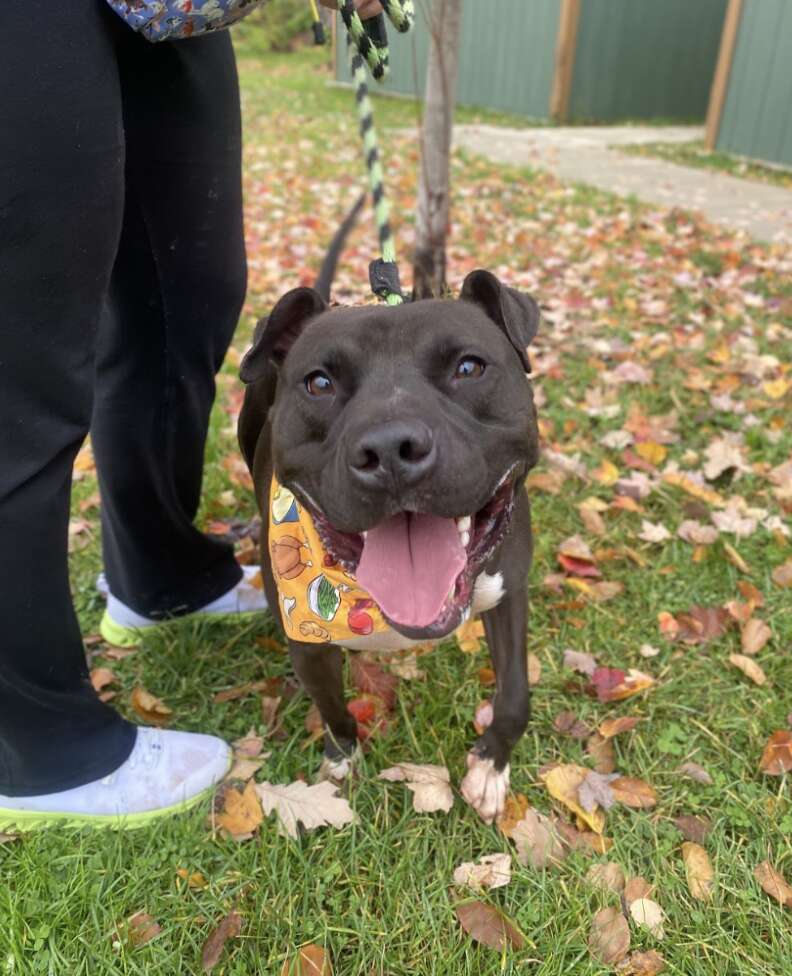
pixel 487 593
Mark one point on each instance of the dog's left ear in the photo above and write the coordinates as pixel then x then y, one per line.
pixel 517 314
pixel 276 334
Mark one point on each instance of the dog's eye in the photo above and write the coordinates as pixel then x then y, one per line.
pixel 469 367
pixel 319 384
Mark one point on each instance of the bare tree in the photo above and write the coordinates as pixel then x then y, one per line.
pixel 429 271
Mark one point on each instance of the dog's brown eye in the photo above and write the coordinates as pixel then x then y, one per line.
pixel 469 367
pixel 319 384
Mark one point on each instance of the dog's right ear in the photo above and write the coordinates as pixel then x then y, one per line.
pixel 276 334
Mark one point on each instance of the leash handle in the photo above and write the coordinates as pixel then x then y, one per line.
pixel 372 42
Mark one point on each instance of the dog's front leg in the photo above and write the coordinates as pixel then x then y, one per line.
pixel 320 669
pixel 486 783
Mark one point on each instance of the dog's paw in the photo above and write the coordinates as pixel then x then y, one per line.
pixel 485 788
pixel 338 768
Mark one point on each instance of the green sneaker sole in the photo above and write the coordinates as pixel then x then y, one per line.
pixel 23 821
pixel 120 636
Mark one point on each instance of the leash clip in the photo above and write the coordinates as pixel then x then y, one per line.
pixel 384 279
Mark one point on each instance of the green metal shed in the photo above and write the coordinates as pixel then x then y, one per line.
pixel 573 60
pixel 751 104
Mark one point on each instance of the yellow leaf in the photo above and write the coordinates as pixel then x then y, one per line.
pixel 149 708
pixel 606 473
pixel 749 668
pixel 698 870
pixel 651 451
pixel 679 480
pixel 563 783
pixel 470 635
pixel 241 813
pixel 776 389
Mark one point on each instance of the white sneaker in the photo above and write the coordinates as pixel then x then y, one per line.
pixel 166 772
pixel 121 625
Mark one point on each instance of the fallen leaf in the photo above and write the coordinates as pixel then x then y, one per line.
pixel 311 960
pixel 773 883
pixel 777 756
pixel 608 876
pixel 650 532
pixel 633 793
pixel 735 558
pixel 470 635
pixel 695 829
pixel 749 668
pixel 697 533
pixel 696 772
pixel 486 924
pixel 563 783
pixel 534 670
pixel 194 880
pixel 229 928
pixel 141 928
pixel 595 790
pixel 9 838
pixel 299 804
pixel 581 840
pixel 609 939
pixel 602 752
pixel 537 841
pixel 755 634
pixel 698 870
pixel 150 709
pixel 244 769
pixel 268 685
pixel 648 914
pixel 250 745
pixel 613 726
pixel 491 871
pixel 580 661
pixel 429 784
pixel 569 724
pixel 371 679
pixel 482 718
pixel 782 575
pixel 269 712
pixel 642 964
pixel 612 684
pixel 636 887
pixel 101 678
pixel 240 811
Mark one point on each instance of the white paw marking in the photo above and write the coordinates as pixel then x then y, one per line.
pixel 484 788
pixel 487 591
pixel 337 770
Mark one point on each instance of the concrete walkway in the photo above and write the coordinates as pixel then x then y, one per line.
pixel 583 155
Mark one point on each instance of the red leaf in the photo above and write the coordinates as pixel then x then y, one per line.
pixel 578 567
pixel 371 679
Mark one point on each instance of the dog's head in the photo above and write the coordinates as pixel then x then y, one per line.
pixel 406 432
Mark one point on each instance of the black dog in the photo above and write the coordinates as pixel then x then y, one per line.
pixel 406 433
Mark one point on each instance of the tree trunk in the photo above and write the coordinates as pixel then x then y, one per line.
pixel 429 270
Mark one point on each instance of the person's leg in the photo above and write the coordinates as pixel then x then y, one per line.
pixel 61 196
pixel 176 293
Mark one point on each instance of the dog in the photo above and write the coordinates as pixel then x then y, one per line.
pixel 389 447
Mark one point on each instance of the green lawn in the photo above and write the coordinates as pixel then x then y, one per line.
pixel 700 310
pixel 694 154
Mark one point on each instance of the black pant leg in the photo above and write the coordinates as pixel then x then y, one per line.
pixel 61 197
pixel 177 290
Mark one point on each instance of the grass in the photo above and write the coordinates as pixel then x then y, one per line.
pixel 695 154
pixel 378 894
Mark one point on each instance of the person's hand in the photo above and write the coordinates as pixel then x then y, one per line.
pixel 366 8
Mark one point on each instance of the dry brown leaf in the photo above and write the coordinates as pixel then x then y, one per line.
pixel 299 804
pixel 613 726
pixel 269 685
pixel 750 593
pixel 749 668
pixel 696 772
pixel 755 634
pixel 101 678
pixel 634 793
pixel 608 876
pixel 602 752
pixel 735 558
pixel 582 840
pixel 194 880
pixel 534 670
pixel 491 871
pixel 513 812
pixel 563 783
pixel 229 928
pixel 635 888
pixel 580 661
pixel 648 914
pixel 9 838
pixel 244 769
pixel 311 960
pixel 777 756
pixel 609 939
pixel 698 870
pixel 486 924
pixel 141 928
pixel 429 784
pixel 782 575
pixel 773 883
pixel 537 841
pixel 642 964
pixel 150 709
pixel 250 745
pixel 696 829
pixel 240 813
pixel 569 724
pixel 592 520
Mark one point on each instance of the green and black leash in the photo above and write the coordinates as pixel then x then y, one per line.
pixel 367 44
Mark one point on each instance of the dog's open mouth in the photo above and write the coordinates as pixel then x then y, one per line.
pixel 420 568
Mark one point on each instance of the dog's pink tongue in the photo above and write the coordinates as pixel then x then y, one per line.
pixel 409 564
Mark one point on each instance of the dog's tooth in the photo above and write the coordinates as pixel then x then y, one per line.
pixel 464 538
pixel 463 524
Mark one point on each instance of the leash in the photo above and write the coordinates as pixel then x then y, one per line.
pixel 367 45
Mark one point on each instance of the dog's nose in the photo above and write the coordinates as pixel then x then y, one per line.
pixel 398 452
